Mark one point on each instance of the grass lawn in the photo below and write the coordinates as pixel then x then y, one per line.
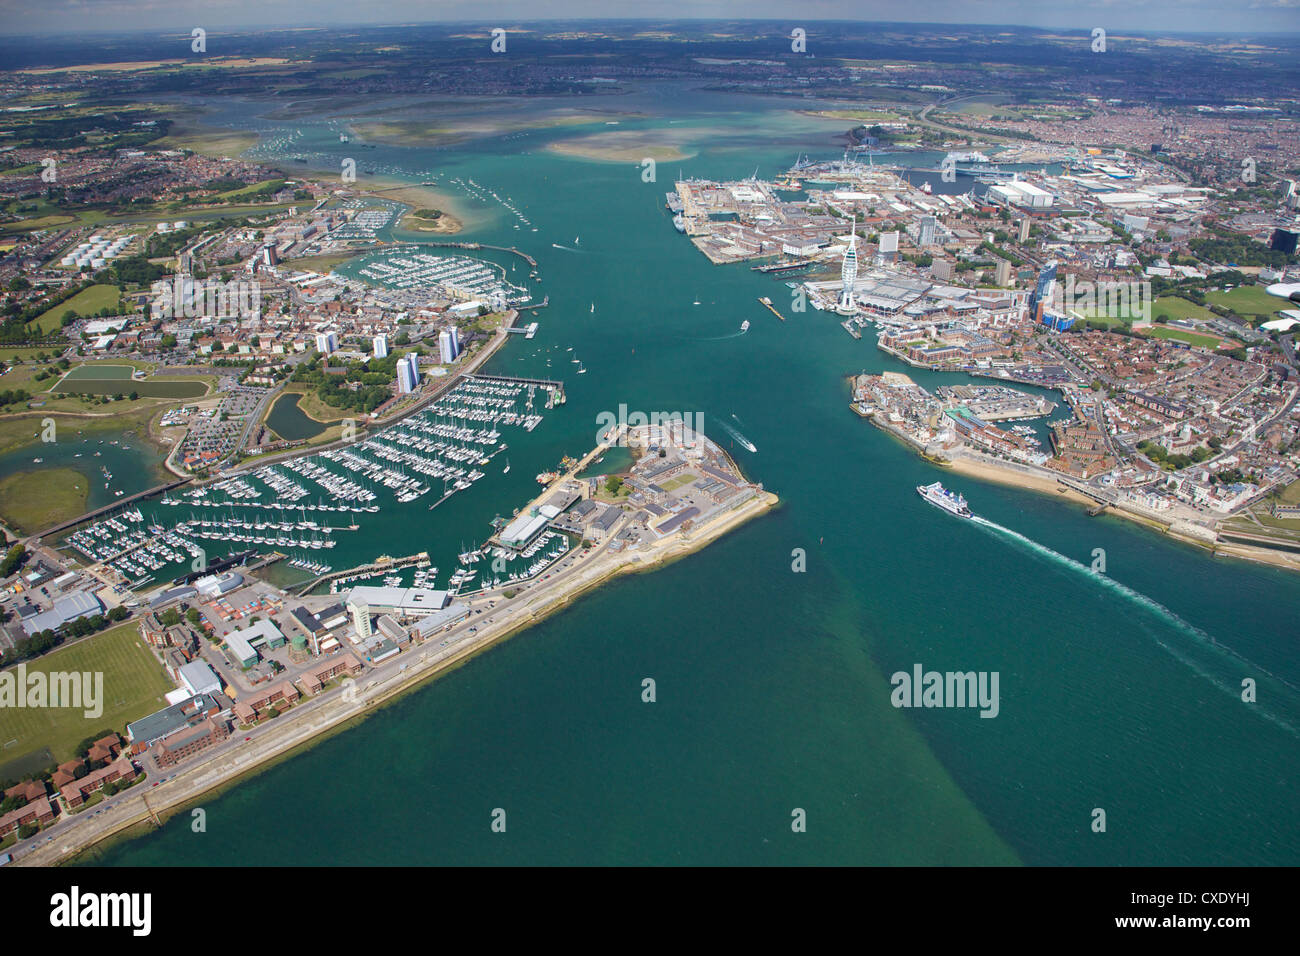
pixel 1285 527
pixel 1092 315
pixel 673 484
pixel 83 383
pixel 602 494
pixel 84 303
pixel 98 371
pixel 1182 335
pixel 134 685
pixel 32 501
pixel 43 222
pixel 1290 494
pixel 311 406
pixel 252 188
pixel 1176 308
pixel 128 216
pixel 1250 301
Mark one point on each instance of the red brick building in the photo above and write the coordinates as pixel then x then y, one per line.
pixel 29 790
pixel 313 680
pixel 188 741
pixel 66 773
pixel 105 749
pixel 77 792
pixel 256 706
pixel 40 812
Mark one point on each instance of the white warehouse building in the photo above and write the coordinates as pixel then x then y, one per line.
pixel 1017 193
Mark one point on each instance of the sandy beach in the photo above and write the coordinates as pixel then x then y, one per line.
pixel 623 147
pixel 991 471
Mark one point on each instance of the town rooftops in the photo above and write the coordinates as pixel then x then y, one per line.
pixel 448 615
pixel 329 614
pixel 583 508
pixel 523 529
pixel 673 523
pixel 719 474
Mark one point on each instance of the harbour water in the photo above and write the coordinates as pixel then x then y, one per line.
pixel 1119 691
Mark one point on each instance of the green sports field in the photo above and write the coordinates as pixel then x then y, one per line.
pixel 134 685
pixel 1250 301
pixel 96 378
pixel 86 302
pixel 1179 308
pixel 1182 335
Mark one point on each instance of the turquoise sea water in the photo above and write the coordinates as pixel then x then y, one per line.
pixel 1118 692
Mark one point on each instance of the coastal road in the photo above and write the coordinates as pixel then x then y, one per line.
pixel 306 721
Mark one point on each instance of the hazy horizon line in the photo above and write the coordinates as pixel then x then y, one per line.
pixel 505 23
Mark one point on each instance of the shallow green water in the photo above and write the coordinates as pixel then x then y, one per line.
pixel 1117 692
pixel 290 422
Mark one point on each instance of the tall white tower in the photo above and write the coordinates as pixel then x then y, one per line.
pixel 849 271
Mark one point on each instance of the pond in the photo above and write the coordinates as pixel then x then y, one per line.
pixel 290 422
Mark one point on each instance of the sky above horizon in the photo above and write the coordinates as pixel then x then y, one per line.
pixel 91 16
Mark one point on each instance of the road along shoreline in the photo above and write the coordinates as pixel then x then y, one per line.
pixel 336 712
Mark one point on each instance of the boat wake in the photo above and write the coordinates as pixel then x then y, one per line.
pixel 556 245
pixel 719 338
pixel 1203 642
pixel 740 439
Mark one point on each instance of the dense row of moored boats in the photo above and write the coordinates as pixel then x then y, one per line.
pixel 285 505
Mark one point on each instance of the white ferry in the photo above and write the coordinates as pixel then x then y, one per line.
pixel 940 497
